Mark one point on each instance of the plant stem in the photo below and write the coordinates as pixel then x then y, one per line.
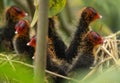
pixel 40 59
pixel 31 7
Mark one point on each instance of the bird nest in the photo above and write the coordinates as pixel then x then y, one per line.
pixel 109 51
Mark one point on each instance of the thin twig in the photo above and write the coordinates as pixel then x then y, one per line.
pixel 117 33
pixel 104 49
pixel 9 60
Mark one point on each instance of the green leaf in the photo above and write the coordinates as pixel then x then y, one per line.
pixel 22 73
pixel 55 6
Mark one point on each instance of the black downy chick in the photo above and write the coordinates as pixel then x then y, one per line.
pixel 85 58
pixel 57 44
pixel 22 38
pixel 12 16
pixel 54 65
pixel 88 15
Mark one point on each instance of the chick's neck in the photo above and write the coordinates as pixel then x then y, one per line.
pixel 82 29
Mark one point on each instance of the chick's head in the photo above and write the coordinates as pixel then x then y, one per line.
pixel 90 14
pixel 94 38
pixel 32 42
pixel 15 13
pixel 22 27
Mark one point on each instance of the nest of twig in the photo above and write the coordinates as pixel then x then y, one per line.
pixel 110 48
pixel 107 55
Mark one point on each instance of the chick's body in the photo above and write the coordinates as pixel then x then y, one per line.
pixel 88 15
pixel 85 57
pixel 12 16
pixel 57 44
pixel 52 64
pixel 22 38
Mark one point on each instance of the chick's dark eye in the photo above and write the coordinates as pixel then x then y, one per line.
pixel 22 25
pixel 17 24
pixel 95 36
pixel 93 11
pixel 34 37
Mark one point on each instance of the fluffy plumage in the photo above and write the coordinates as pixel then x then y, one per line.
pixel 22 38
pixel 86 56
pixel 88 15
pixel 12 16
pixel 57 44
pixel 52 64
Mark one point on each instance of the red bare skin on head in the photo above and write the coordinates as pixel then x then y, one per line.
pixel 22 27
pixel 32 42
pixel 95 38
pixel 15 13
pixel 90 14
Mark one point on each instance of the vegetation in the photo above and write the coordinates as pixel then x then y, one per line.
pixel 20 70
